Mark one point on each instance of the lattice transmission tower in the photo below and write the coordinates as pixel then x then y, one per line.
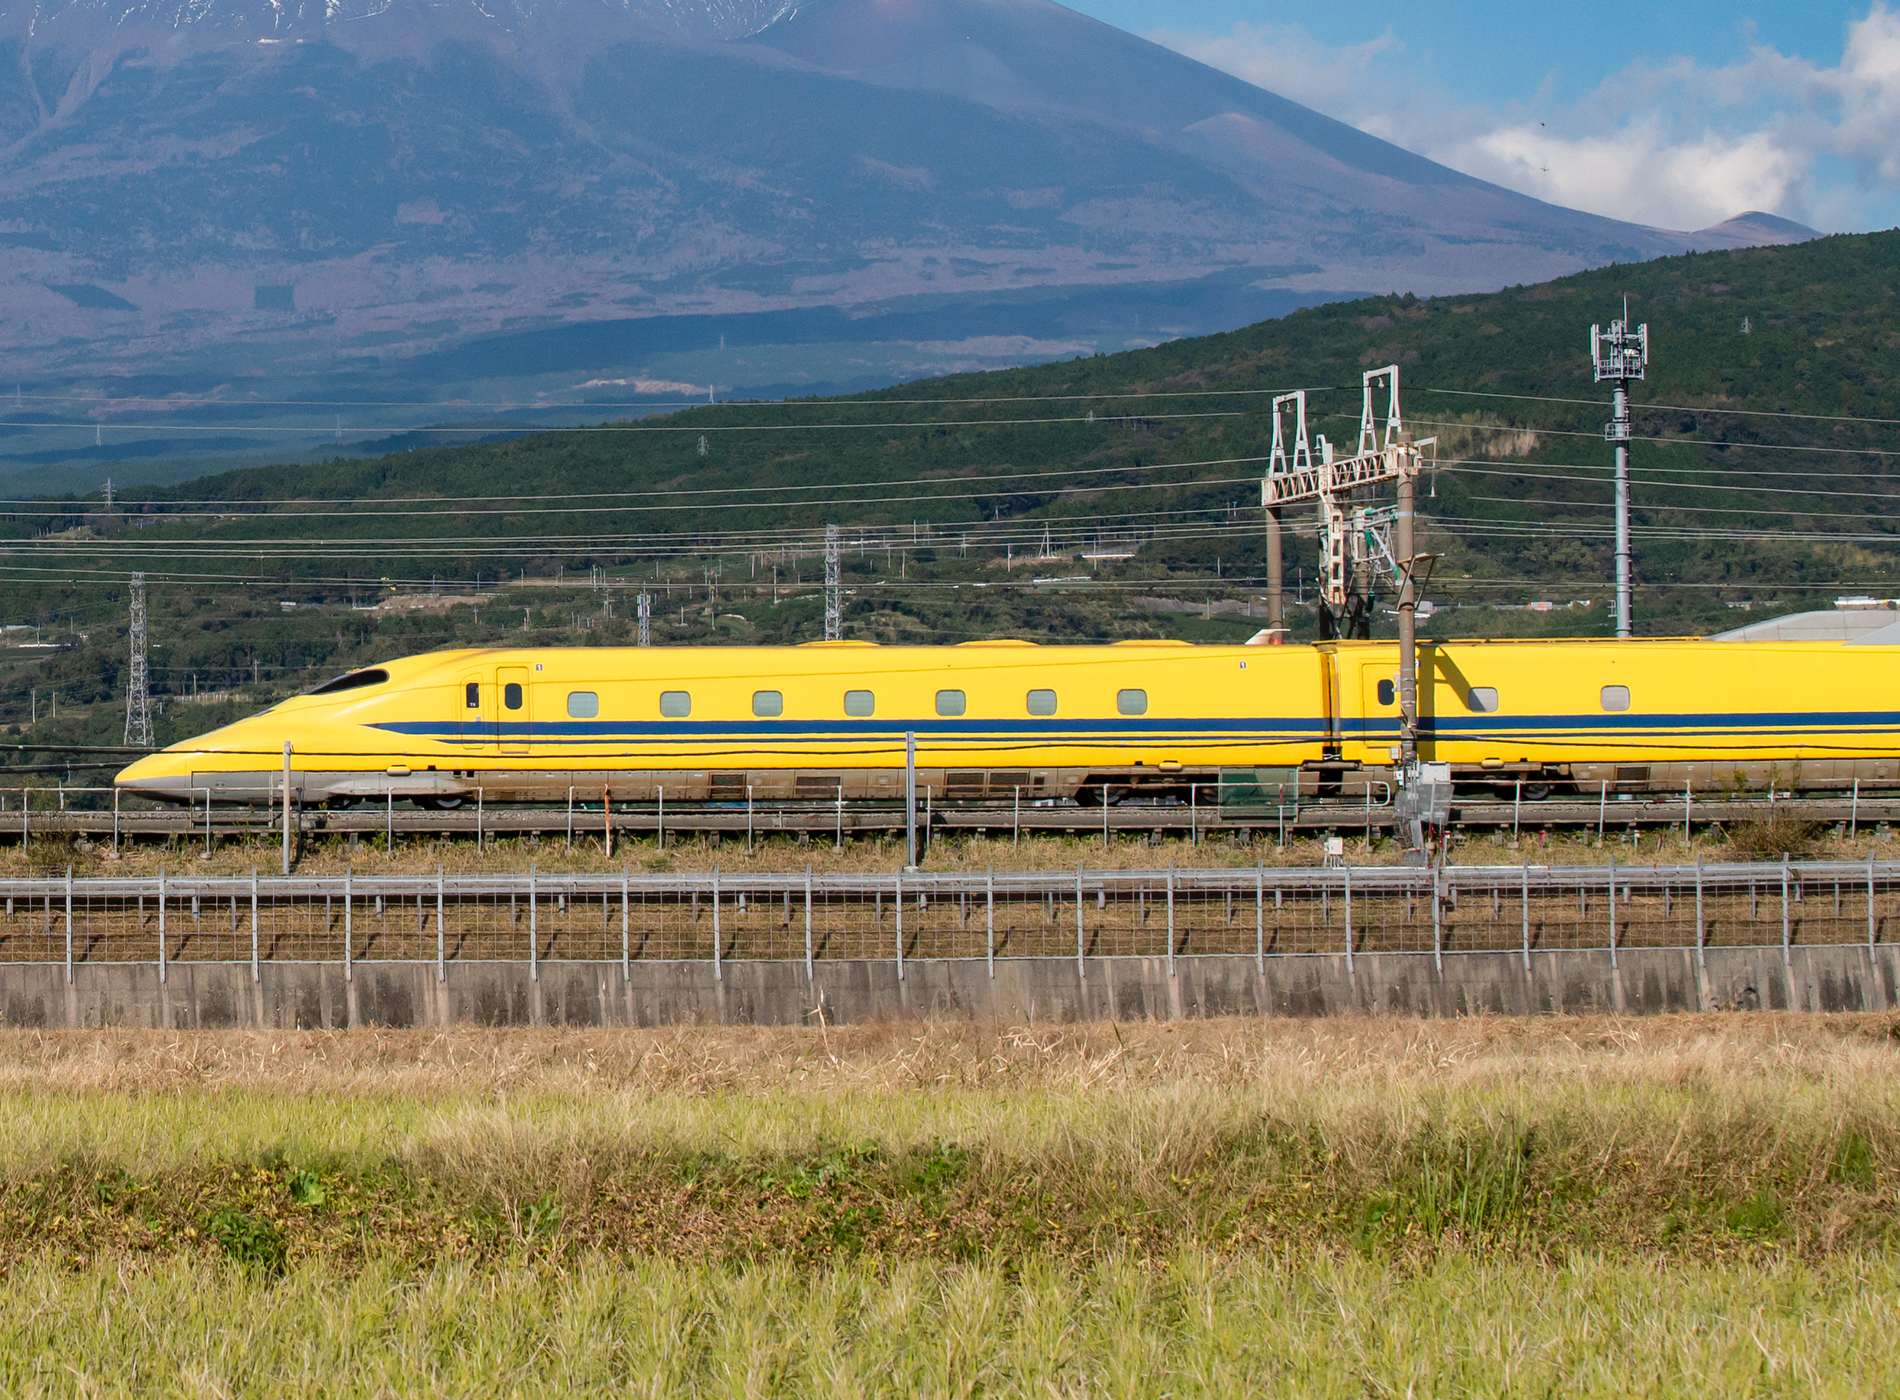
pixel 834 594
pixel 138 695
pixel 643 611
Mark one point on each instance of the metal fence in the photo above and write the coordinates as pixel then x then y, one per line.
pixel 716 918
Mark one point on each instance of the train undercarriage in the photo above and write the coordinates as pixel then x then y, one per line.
pixel 446 789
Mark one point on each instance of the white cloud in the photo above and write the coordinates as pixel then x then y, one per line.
pixel 1772 131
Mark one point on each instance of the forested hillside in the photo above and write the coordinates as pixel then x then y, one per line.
pixel 1148 461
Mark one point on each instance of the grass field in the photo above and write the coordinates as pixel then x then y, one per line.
pixel 1663 1206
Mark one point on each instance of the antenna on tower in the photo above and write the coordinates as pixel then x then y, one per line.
pixel 138 697
pixel 702 445
pixel 834 597
pixel 108 495
pixel 1620 354
pixel 643 610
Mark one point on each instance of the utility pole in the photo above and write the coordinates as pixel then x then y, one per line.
pixel 138 698
pixel 644 612
pixel 1620 355
pixel 834 596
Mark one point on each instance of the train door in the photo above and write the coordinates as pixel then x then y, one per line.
pixel 1379 709
pixel 478 707
pixel 511 684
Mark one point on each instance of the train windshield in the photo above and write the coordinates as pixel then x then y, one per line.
pixel 353 680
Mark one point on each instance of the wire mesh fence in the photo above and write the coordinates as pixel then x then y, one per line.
pixel 715 918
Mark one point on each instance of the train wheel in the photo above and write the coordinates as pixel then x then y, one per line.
pixel 446 803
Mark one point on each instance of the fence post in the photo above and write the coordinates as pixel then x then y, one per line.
pixel 161 926
pixel 389 822
pixel 1368 792
pixel 349 906
pixel 1701 924
pixel 1015 817
pixel 838 842
pixel 570 816
pixel 1688 806
pixel 1259 920
pixel 662 816
pixel 1347 871
pixel 1787 936
pixel 1853 813
pixel 719 952
pixel 26 829
pixel 899 902
pixel 626 933
pixel 910 801
pixel 1081 971
pixel 1526 905
pixel 1612 903
pixel 1870 901
pixel 69 924
pixel 1603 805
pixel 748 818
pixel 534 930
pixel 207 818
pixel 255 975
pixel 1438 927
pixel 286 850
pixel 989 921
pixel 1194 813
pixel 441 928
pixel 115 823
pixel 1170 921
pixel 1105 818
pixel 808 969
pixel 1517 805
pixel 480 814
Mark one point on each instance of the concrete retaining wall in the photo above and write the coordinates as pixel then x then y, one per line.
pixel 317 995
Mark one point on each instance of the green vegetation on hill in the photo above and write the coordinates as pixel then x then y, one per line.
pixel 262 597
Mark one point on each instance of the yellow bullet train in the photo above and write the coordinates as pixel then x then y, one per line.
pixel 1084 723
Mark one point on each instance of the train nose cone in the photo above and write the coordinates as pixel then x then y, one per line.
pixel 148 778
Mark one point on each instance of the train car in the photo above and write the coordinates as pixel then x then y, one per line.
pixel 819 720
pixel 1080 723
pixel 1635 715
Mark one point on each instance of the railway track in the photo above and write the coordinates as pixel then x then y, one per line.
pixel 822 820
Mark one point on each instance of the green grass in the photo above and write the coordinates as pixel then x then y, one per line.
pixel 1190 1324
pixel 1554 1206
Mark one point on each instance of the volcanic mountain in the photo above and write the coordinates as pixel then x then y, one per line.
pixel 254 194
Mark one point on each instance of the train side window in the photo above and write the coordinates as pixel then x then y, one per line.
pixel 583 704
pixel 1387 694
pixel 1482 699
pixel 1615 697
pixel 951 702
pixel 511 695
pixel 860 704
pixel 1131 702
pixel 472 696
pixel 768 704
pixel 676 704
pixel 1041 702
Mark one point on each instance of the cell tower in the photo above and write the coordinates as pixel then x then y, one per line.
pixel 138 696
pixel 1620 355
pixel 834 597
pixel 644 612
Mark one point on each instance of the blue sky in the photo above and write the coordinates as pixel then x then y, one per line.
pixel 1677 113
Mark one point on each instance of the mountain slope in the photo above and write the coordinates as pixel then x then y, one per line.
pixel 290 200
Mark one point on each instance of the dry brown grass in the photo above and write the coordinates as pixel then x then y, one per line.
pixel 1333 1054
pixel 333 855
